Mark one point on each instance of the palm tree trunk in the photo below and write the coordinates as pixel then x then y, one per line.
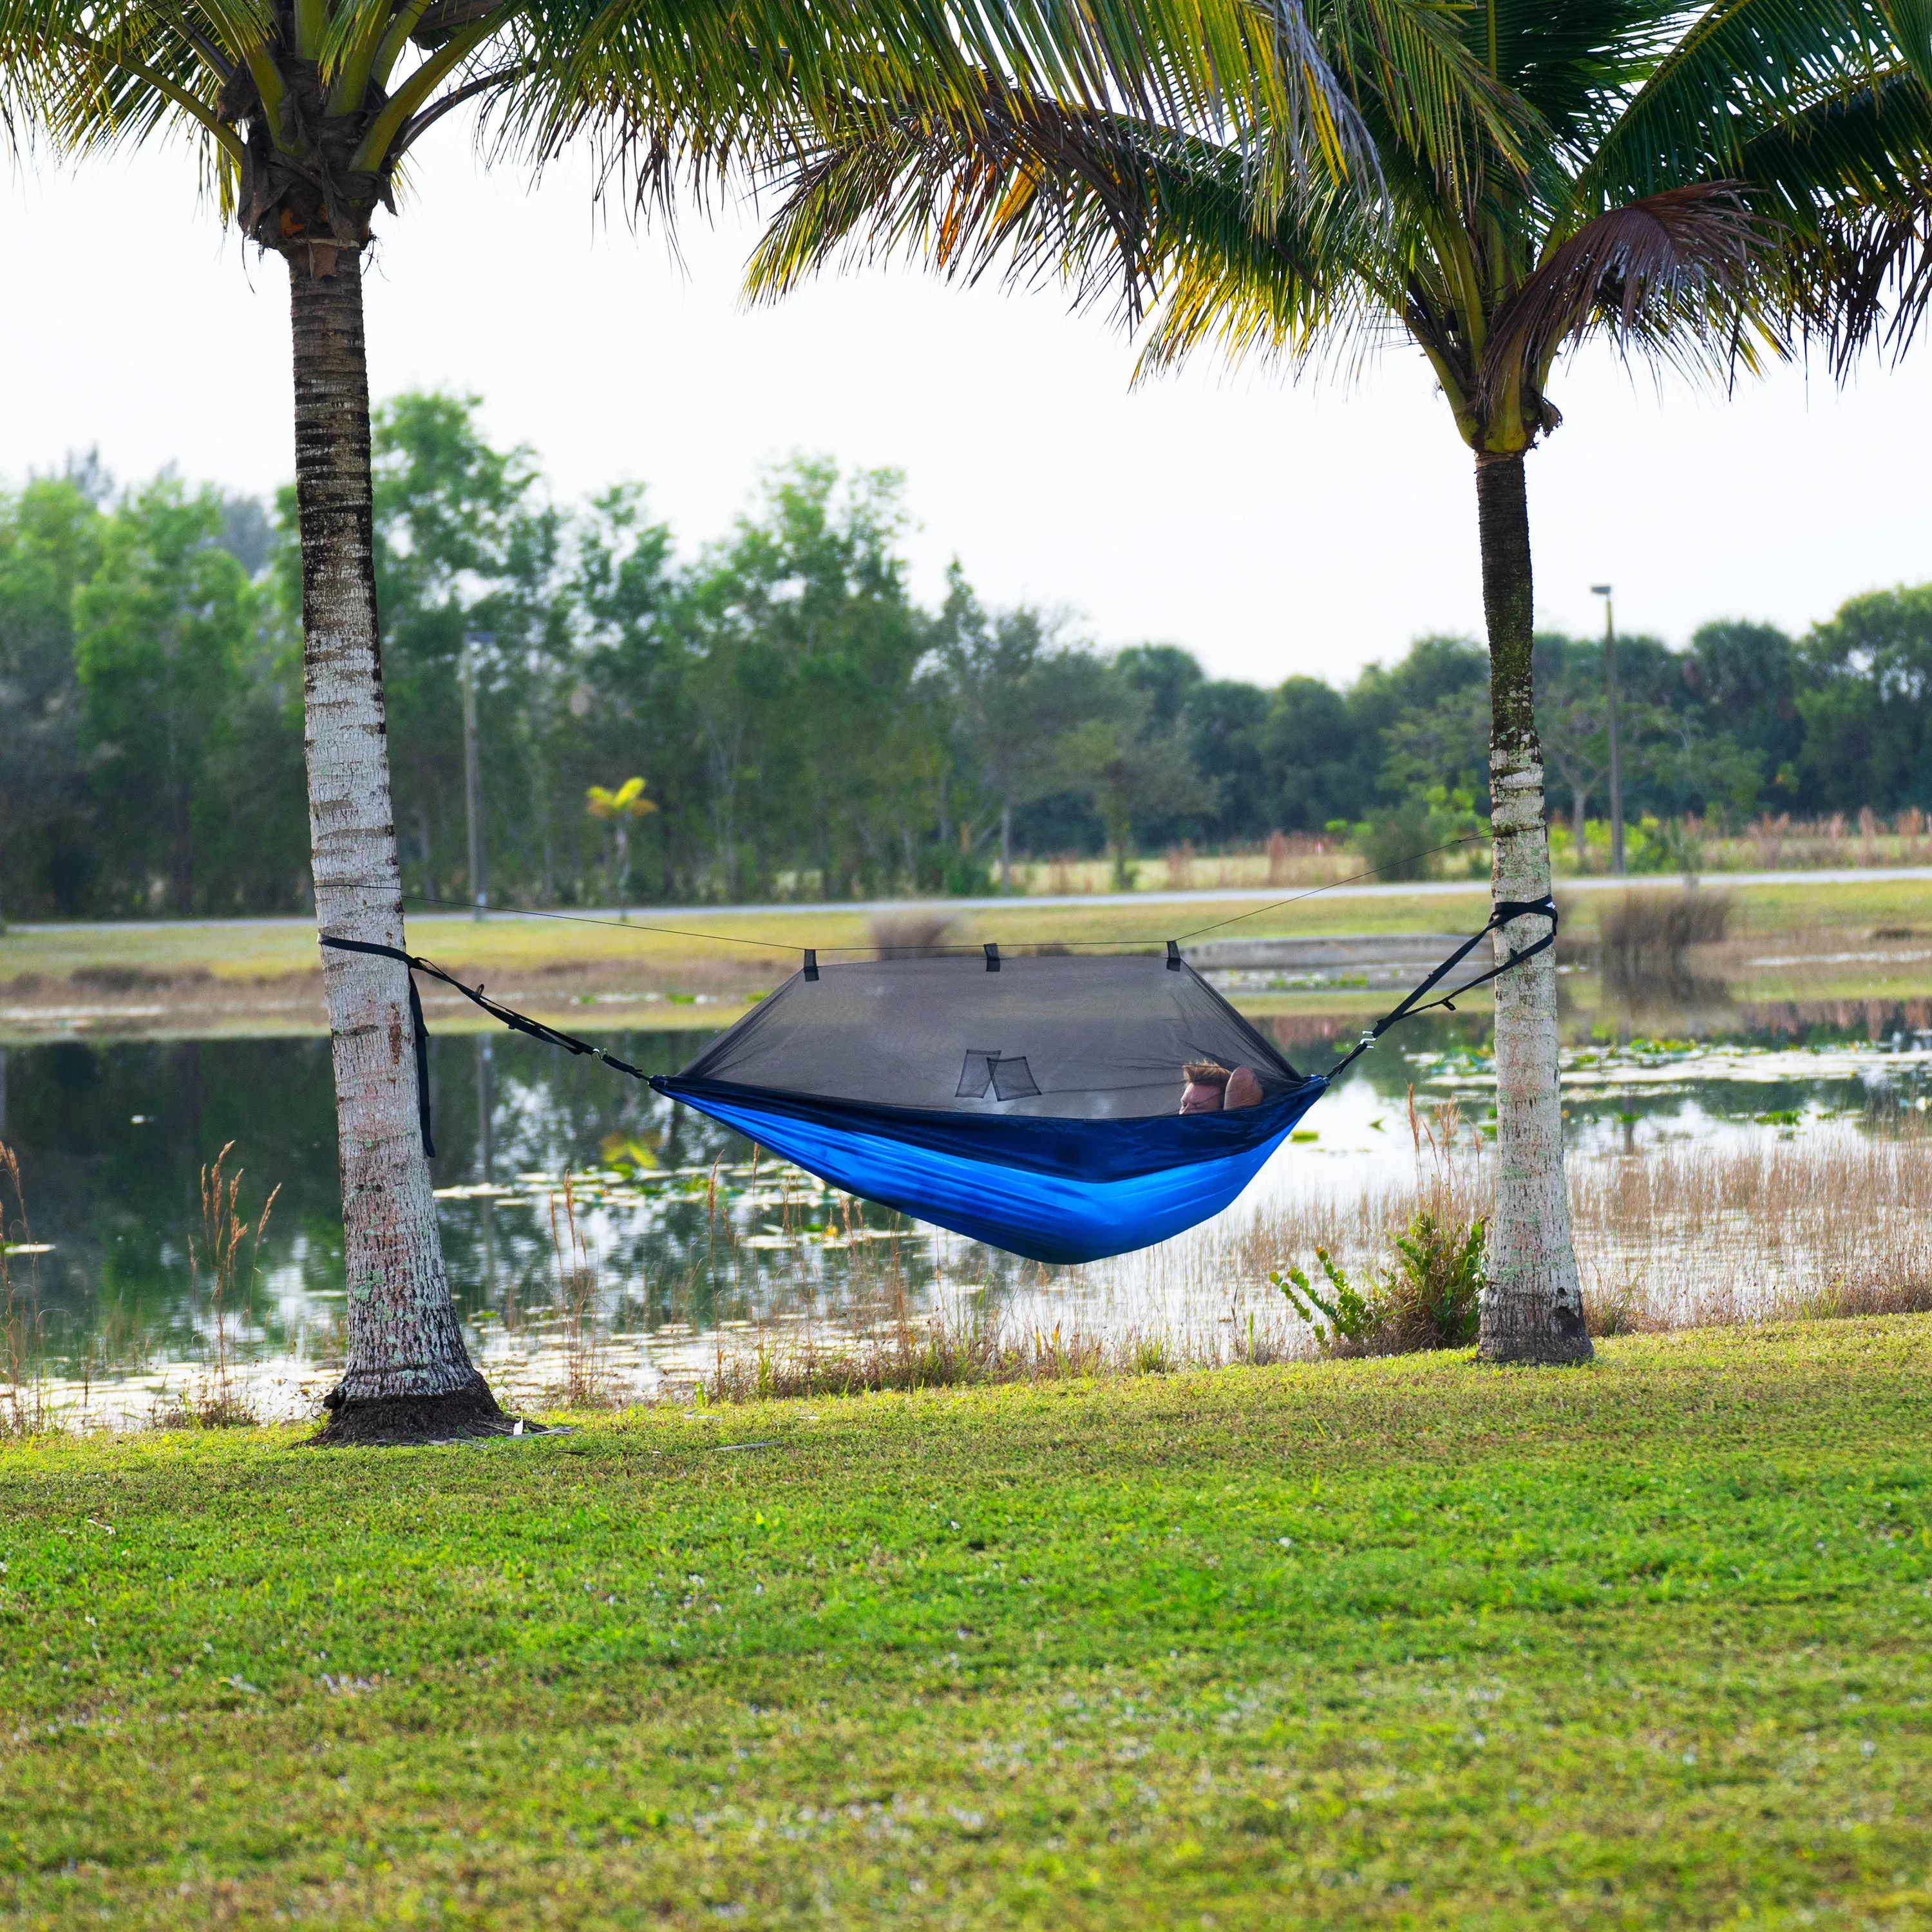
pixel 1533 1306
pixel 408 1375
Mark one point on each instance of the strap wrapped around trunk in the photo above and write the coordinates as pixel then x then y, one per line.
pixel 1505 910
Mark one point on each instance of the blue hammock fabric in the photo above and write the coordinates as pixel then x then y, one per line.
pixel 1053 1190
pixel 1030 1103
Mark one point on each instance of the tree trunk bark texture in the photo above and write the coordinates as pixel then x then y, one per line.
pixel 1532 1308
pixel 409 1377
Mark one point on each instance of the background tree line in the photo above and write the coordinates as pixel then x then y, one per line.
pixel 803 726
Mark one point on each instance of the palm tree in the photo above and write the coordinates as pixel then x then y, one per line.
pixel 619 807
pixel 307 112
pixel 1636 173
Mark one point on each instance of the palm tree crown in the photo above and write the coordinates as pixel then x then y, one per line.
pixel 1621 165
pixel 309 108
pixel 1628 167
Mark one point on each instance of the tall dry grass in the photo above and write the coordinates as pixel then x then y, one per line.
pixel 1783 843
pixel 588 1381
pixel 220 1398
pixel 1835 1222
pixel 1643 928
pixel 25 1409
pixel 1690 1237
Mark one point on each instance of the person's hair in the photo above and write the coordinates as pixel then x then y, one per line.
pixel 1206 1072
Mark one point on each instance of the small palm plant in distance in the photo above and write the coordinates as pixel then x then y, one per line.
pixel 627 803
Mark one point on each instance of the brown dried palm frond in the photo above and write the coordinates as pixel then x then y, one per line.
pixel 1677 276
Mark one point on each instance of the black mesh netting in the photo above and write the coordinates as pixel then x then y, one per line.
pixel 1057 1036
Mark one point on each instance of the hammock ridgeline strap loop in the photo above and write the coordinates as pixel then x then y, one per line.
pixel 1502 914
pixel 516 1022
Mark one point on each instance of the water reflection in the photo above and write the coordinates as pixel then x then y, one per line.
pixel 691 1235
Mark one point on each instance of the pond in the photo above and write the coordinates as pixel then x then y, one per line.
pixel 580 1210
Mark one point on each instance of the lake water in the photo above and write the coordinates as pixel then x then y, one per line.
pixel 675 1239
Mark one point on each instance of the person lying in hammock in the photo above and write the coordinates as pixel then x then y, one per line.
pixel 1213 1088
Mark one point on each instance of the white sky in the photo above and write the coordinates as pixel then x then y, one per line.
pixel 1271 529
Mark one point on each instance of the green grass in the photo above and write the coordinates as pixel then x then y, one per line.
pixel 1406 1642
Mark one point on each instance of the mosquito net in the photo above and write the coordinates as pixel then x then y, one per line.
pixel 1055 1036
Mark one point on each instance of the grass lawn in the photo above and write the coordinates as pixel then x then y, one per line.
pixel 1407 1643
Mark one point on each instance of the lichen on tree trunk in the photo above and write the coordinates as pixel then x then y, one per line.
pixel 1533 1306
pixel 408 1375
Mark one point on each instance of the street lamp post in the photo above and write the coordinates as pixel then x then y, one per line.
pixel 473 769
pixel 1603 590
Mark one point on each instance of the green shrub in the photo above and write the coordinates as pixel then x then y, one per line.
pixel 1431 1296
pixel 1354 1318
pixel 1435 1291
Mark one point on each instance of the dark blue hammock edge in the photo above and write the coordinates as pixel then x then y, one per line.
pixel 1071 1150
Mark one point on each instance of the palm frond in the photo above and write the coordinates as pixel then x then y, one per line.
pixel 1911 24
pixel 1741 68
pixel 1283 298
pixel 1421 89
pixel 1024 185
pixel 1574 64
pixel 1678 274
pixel 1850 183
pixel 1845 151
pixel 1872 281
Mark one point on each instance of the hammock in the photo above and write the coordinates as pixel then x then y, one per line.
pixel 1031 1106
pixel 1029 1101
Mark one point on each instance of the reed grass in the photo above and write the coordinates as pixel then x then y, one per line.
pixel 948 1352
pixel 25 1408
pixel 588 1381
pixel 219 1397
pixel 1698 1237
pixel 1642 928
pixel 1833 1224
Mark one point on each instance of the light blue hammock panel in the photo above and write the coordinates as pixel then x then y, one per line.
pixel 995 1186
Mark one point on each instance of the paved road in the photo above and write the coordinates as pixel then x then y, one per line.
pixel 421 914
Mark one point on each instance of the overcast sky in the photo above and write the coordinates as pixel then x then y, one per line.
pixel 1271 528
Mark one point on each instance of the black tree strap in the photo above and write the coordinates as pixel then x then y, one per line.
pixel 1417 1002
pixel 516 1022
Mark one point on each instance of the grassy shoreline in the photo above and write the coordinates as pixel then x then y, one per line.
pixel 1405 1642
pixel 260 978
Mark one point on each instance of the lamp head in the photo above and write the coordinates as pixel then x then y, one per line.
pixel 1600 590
